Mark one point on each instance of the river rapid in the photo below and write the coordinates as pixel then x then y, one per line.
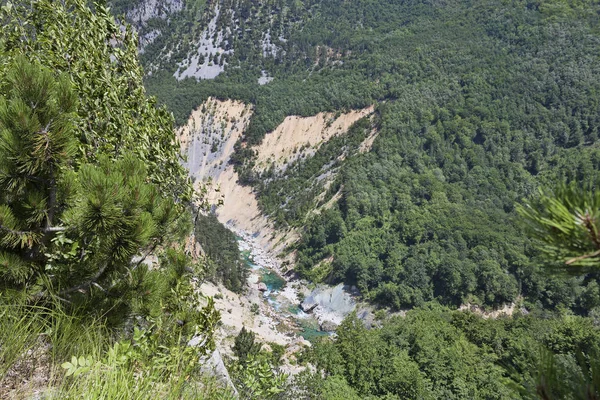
pixel 284 295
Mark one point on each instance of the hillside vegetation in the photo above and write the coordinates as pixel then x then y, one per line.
pixel 98 295
pixel 477 105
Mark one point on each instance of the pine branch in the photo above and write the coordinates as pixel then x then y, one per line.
pixel 45 230
pixel 583 257
pixel 93 280
pixel 82 286
pixel 86 284
pixel 55 229
pixel 150 250
pixel 15 232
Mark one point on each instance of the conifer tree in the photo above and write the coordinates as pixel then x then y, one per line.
pixel 89 167
pixel 90 179
pixel 565 223
pixel 36 144
pixel 63 227
pixel 245 345
pixel 100 56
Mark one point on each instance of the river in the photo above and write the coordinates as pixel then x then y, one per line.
pixel 280 296
pixel 283 295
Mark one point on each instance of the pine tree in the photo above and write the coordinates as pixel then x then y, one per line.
pixel 245 345
pixel 89 167
pixel 100 56
pixel 66 227
pixel 565 223
pixel 90 179
pixel 36 145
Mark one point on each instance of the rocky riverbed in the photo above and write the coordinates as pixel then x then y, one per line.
pixel 272 305
pixel 315 310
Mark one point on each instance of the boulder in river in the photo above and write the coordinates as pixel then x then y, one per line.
pixel 332 300
pixel 262 287
pixel 328 326
pixel 308 306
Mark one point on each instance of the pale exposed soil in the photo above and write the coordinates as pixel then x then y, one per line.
pixel 215 123
pixel 220 126
pixel 506 310
pixel 301 136
pixel 207 47
pixel 208 139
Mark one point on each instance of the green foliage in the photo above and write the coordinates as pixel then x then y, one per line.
pixel 36 145
pixel 84 198
pixel 101 61
pixel 53 334
pixel 310 386
pixel 92 191
pixel 253 373
pixel 277 351
pixel 158 365
pixel 255 379
pixel 565 223
pixel 437 353
pixel 245 345
pixel 220 245
pixel 559 377
pixel 62 229
pixel 477 106
pixel 82 359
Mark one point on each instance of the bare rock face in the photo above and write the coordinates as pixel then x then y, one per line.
pixel 332 301
pixel 213 365
pixel 149 9
pixel 262 287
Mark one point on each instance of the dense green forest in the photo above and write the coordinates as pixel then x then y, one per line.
pixel 220 245
pixel 435 353
pixel 478 105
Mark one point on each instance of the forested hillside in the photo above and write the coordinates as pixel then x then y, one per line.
pixel 434 353
pixel 469 178
pixel 478 104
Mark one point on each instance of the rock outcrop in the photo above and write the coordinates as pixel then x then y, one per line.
pixel 328 326
pixel 308 306
pixel 213 365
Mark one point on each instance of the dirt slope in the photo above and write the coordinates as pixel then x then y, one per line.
pixel 302 136
pixel 208 139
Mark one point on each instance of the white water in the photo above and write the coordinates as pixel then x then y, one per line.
pixel 333 303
